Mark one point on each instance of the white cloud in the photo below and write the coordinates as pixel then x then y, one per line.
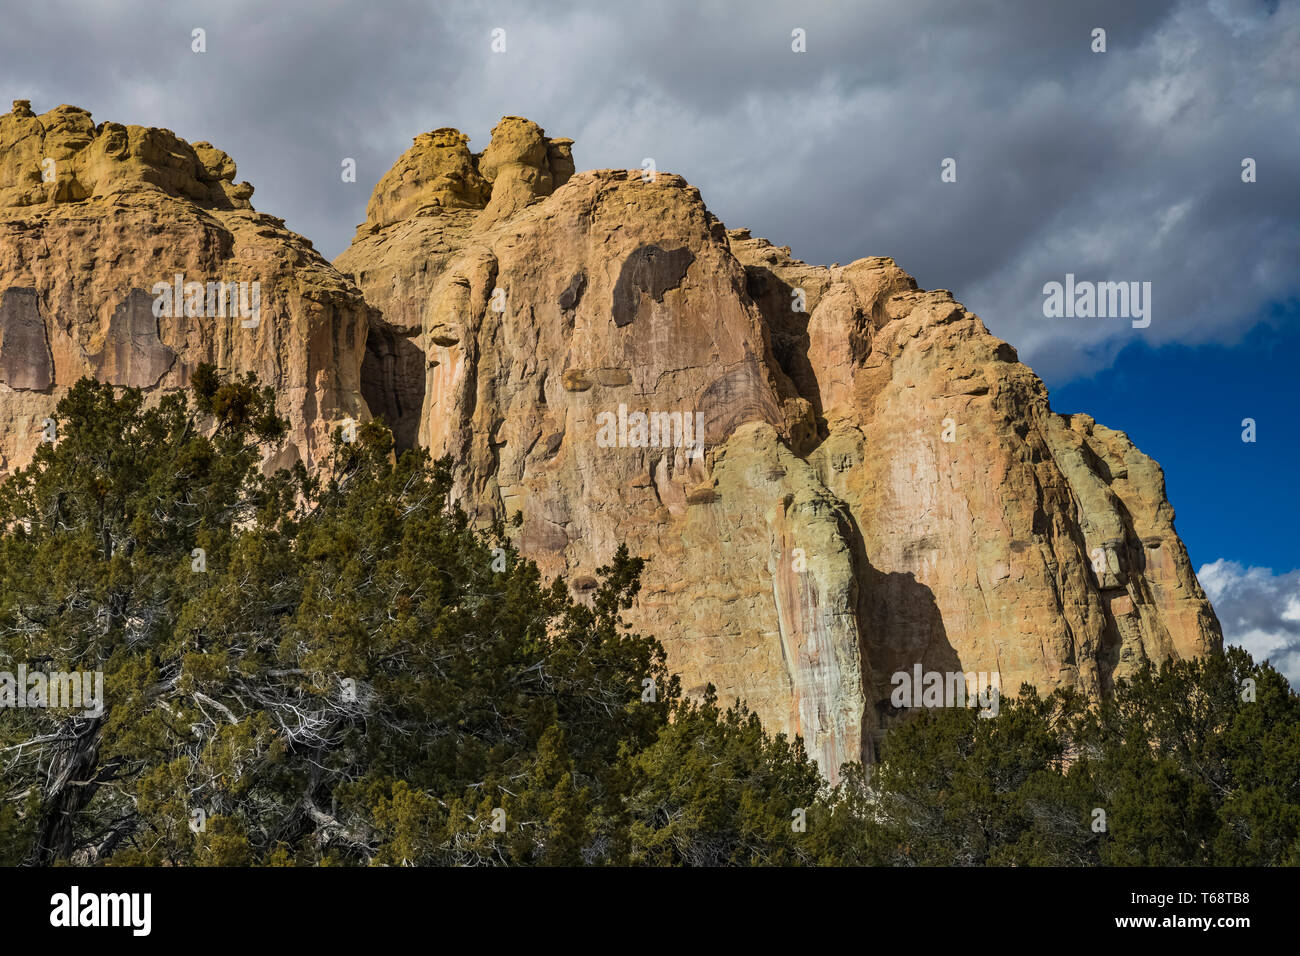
pixel 1259 610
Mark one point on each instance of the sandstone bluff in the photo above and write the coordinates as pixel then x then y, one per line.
pixel 878 481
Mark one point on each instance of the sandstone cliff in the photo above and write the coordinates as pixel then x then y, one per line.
pixel 93 217
pixel 836 476
pixel 881 482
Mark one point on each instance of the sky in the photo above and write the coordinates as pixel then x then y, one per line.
pixel 1122 165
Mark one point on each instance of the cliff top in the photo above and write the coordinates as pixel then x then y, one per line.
pixel 63 156
pixel 439 172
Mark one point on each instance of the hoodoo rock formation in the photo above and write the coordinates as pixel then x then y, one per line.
pixel 835 475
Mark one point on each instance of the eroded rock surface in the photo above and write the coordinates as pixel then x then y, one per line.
pixel 1002 537
pixel 836 476
pixel 93 216
pixel 881 482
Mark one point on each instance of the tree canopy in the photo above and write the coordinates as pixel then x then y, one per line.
pixel 335 668
pixel 341 669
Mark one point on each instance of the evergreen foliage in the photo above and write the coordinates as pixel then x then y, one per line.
pixel 340 669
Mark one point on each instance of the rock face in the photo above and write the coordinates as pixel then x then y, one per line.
pixel 836 476
pixel 1001 537
pixel 93 217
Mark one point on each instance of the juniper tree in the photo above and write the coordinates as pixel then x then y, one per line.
pixel 335 668
pixel 1194 762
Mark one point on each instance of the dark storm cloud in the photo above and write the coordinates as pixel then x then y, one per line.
pixel 1116 166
